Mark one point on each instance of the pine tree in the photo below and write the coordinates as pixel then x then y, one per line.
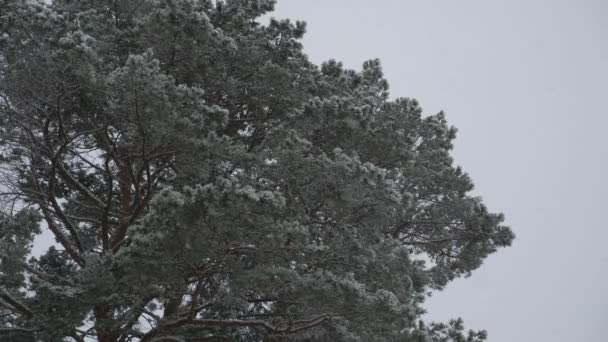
pixel 204 181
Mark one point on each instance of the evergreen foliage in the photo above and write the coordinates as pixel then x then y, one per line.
pixel 204 181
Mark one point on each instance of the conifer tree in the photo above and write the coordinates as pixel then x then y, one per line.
pixel 204 181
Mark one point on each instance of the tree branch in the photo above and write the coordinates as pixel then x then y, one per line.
pixel 16 304
pixel 290 328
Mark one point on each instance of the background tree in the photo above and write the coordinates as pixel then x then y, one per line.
pixel 204 181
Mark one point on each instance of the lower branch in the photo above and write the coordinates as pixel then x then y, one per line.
pixel 290 328
pixel 16 304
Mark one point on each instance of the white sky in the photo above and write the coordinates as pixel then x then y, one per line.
pixel 525 83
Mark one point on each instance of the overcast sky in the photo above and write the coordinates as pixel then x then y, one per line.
pixel 525 83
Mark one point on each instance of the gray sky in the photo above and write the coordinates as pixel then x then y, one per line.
pixel 525 84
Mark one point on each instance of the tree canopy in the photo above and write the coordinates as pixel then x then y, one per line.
pixel 204 181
